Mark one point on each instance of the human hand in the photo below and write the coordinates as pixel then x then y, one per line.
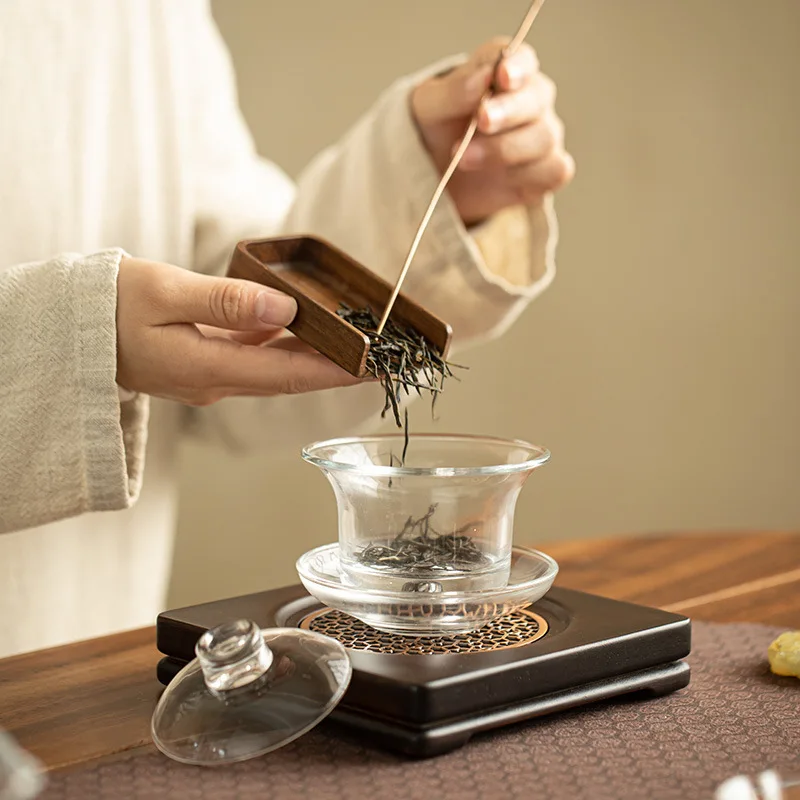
pixel 197 339
pixel 517 154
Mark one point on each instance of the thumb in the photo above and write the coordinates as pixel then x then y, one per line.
pixel 232 304
pixel 453 95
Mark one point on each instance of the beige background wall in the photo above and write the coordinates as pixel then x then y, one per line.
pixel 663 366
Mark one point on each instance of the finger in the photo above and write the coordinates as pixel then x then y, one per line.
pixel 506 111
pixel 452 96
pixel 243 337
pixel 225 303
pixel 292 343
pixel 514 70
pixel 222 366
pixel 523 61
pixel 458 93
pixel 295 345
pixel 530 181
pixel 277 338
pixel 517 69
pixel 515 147
pixel 256 338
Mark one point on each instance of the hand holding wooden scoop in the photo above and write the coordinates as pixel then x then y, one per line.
pixel 321 278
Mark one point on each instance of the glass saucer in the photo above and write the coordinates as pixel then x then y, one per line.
pixel 428 611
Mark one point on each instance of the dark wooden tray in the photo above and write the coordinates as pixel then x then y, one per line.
pixel 321 277
pixel 423 705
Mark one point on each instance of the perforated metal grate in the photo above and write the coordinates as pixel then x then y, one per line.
pixel 514 630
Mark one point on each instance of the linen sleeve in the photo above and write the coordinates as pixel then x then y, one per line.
pixel 68 445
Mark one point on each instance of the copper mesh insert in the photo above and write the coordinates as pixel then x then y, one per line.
pixel 513 630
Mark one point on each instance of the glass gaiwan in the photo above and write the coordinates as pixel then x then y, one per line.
pixel 424 549
pixel 427 547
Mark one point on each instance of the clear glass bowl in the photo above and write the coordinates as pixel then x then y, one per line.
pixel 443 521
pixel 414 613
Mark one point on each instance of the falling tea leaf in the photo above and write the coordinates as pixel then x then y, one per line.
pixel 399 357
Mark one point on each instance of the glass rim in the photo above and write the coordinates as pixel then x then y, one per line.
pixel 542 455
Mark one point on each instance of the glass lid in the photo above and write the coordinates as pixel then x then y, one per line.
pixel 249 692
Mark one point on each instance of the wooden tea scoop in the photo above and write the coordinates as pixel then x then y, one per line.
pixel 470 132
pixel 321 277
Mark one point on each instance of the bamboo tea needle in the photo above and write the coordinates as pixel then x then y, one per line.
pixel 467 138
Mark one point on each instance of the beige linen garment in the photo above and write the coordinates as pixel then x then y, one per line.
pixel 121 133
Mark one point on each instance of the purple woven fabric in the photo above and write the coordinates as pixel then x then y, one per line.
pixel 735 717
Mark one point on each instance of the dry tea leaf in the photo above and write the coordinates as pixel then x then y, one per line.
pixel 419 549
pixel 403 360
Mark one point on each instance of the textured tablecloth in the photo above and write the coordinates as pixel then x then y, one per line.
pixel 735 717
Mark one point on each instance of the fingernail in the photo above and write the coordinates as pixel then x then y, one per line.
pixel 516 74
pixel 495 115
pixel 275 308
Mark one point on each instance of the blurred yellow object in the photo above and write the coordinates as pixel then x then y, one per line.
pixel 784 654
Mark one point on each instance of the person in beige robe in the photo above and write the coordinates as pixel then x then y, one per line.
pixel 122 141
